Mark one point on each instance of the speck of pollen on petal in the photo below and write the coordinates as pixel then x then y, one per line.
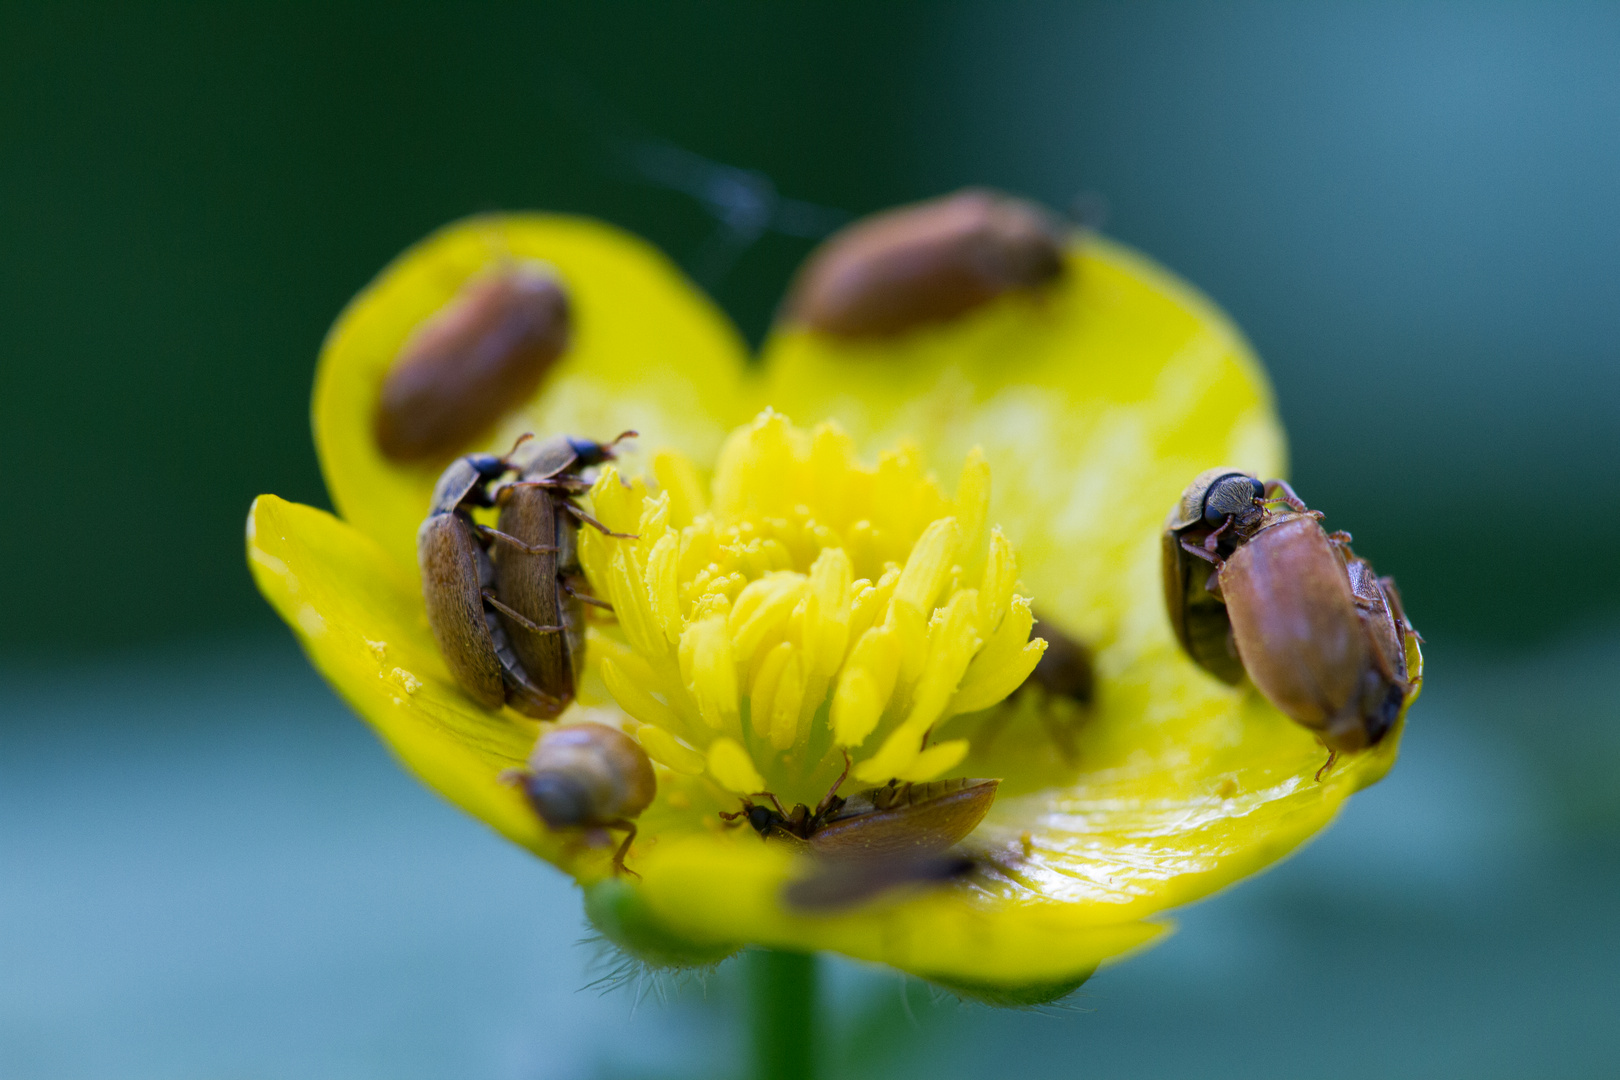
pixel 804 606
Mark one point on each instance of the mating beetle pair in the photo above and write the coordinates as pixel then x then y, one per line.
pixel 1254 585
pixel 506 603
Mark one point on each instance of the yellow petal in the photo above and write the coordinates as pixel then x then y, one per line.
pixel 358 614
pixel 648 352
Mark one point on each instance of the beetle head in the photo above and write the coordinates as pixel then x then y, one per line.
pixel 589 452
pixel 1236 496
pixel 762 818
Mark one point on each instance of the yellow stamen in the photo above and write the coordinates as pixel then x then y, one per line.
pixel 803 606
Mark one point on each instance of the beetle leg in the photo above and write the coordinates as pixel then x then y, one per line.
pixel 583 597
pixel 508 538
pixel 832 793
pixel 587 519
pixel 1333 755
pixel 774 802
pixel 624 848
pixel 517 616
pixel 1213 540
pixel 1197 549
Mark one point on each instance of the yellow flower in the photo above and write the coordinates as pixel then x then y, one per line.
pixel 801 584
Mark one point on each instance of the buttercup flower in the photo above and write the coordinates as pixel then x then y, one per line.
pixel 840 549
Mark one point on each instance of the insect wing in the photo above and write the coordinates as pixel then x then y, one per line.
pixel 916 820
pixel 527 582
pixel 1295 621
pixel 450 558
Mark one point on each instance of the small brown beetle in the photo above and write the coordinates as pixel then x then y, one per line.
pixel 926 263
pixel 486 351
pixel 458 587
pixel 538 579
pixel 588 776
pixel 1269 592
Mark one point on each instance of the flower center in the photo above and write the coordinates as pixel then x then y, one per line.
pixel 806 606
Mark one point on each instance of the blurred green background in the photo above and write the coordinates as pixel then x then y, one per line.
pixel 1410 208
pixel 207 869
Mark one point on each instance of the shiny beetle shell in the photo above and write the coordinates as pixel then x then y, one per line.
pixel 905 820
pixel 588 774
pixel 926 263
pixel 482 354
pixel 452 588
pixel 543 585
pixel 1197 615
pixel 1316 632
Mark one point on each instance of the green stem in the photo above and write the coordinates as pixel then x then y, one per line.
pixel 783 1013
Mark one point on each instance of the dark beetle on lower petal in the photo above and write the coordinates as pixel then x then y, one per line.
pixel 1255 585
pixel 588 776
pixel 893 821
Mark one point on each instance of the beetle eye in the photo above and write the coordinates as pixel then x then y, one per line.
pixel 1213 515
pixel 1259 489
pixel 760 818
pixel 486 464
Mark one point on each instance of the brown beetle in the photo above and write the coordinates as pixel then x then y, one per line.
pixel 458 588
pixel 538 579
pixel 588 776
pixel 485 352
pixel 896 820
pixel 926 263
pixel 1314 627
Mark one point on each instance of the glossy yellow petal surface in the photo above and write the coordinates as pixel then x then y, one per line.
pixel 1094 404
pixel 648 352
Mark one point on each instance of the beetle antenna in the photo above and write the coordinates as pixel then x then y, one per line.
pixel 521 439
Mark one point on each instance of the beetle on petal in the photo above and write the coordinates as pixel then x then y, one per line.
pixel 1253 589
pixel 541 588
pixel 469 363
pixel 588 776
